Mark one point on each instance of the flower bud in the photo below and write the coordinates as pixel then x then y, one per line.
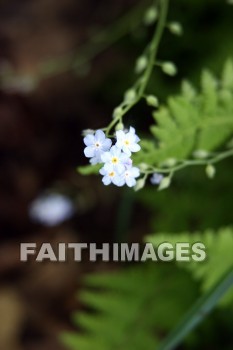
pixel 141 64
pixel 150 16
pixel 165 183
pixel 152 101
pixel 169 68
pixel 200 154
pixel 175 28
pixel 143 166
pixel 170 162
pixel 119 126
pixel 210 171
pixel 88 132
pixel 117 112
pixel 139 184
pixel 130 96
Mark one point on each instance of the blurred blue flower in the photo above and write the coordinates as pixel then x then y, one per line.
pixel 156 178
pixel 51 209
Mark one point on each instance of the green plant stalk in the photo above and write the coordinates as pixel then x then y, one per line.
pixel 149 69
pixel 198 312
pixel 185 163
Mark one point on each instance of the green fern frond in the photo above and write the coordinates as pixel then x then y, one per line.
pixel 193 121
pixel 131 308
pixel 219 249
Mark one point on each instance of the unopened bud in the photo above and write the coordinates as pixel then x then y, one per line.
pixel 175 28
pixel 140 184
pixel 165 183
pixel 210 171
pixel 130 95
pixel 200 154
pixel 169 68
pixel 141 64
pixel 152 100
pixel 119 126
pixel 117 112
pixel 150 16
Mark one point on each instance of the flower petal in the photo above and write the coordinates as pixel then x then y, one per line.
pixel 118 181
pixel 89 140
pixel 106 157
pixel 135 171
pixel 135 147
pixel 130 181
pixel 94 160
pixel 106 180
pixel 120 135
pixel 106 145
pixel 131 130
pixel 89 152
pixel 100 135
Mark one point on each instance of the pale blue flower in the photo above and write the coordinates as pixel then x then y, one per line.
pixel 51 209
pixel 156 178
pixel 111 175
pixel 127 141
pixel 115 159
pixel 96 144
pixel 130 175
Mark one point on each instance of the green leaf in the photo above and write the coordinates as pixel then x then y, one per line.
pixel 192 120
pixel 131 308
pixel 89 169
pixel 219 248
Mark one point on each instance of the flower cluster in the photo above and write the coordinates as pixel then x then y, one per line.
pixel 117 165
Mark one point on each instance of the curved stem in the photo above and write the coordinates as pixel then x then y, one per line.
pixel 185 163
pixel 151 59
pixel 198 312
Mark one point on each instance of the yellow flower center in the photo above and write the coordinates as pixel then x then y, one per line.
pixel 127 142
pixel 97 145
pixel 111 174
pixel 114 160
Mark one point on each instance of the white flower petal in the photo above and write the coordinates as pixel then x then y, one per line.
pixel 106 180
pixel 89 140
pixel 135 171
pixel 120 135
pixel 126 150
pixel 106 145
pixel 95 160
pixel 100 135
pixel 131 130
pixel 118 181
pixel 135 147
pixel 106 157
pixel 130 181
pixel 120 168
pixel 89 152
pixel 108 167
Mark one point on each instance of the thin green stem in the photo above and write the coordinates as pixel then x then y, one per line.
pixel 198 312
pixel 144 79
pixel 186 163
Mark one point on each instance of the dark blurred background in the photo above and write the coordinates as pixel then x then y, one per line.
pixel 61 71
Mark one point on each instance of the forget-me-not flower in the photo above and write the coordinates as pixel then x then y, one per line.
pixel 156 178
pixel 115 159
pixel 129 176
pixel 127 141
pixel 96 144
pixel 111 175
